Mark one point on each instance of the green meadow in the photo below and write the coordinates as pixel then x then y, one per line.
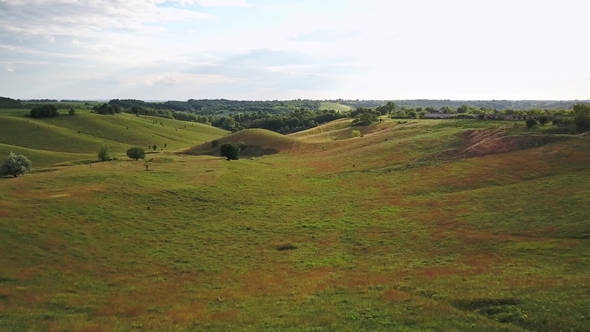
pixel 422 225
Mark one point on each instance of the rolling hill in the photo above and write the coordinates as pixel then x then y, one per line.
pixel 432 225
pixel 71 138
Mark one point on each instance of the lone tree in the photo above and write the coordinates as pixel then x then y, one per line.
pixel 136 153
pixel 104 153
pixel 582 115
pixel 543 120
pixel 15 165
pixel 230 151
pixel 530 123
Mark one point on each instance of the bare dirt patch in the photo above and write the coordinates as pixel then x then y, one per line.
pixel 482 142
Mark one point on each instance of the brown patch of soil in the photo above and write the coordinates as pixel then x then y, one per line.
pixel 492 141
pixel 482 142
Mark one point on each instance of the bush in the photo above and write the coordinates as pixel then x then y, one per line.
pixel 15 165
pixel 104 153
pixel 582 115
pixel 530 123
pixel 543 120
pixel 231 151
pixel 214 143
pixel 355 133
pixel 136 153
pixel 72 111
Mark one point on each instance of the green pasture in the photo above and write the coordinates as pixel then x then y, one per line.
pixel 398 230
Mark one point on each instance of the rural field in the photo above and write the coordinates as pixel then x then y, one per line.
pixel 420 225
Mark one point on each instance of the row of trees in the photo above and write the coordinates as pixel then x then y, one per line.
pixel 218 106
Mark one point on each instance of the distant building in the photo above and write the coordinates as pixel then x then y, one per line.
pixel 438 116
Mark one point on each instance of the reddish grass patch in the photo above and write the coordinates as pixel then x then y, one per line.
pixel 436 272
pixel 394 295
pixel 123 306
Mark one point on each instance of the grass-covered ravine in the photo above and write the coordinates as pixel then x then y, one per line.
pixel 431 225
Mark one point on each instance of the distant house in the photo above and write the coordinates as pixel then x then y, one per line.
pixel 438 115
pixel 509 117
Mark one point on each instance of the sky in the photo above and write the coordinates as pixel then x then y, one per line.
pixel 308 49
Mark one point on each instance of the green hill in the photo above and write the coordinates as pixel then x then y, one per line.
pixel 84 132
pixel 434 225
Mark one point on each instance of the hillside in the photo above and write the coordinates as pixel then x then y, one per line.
pixel 71 138
pixel 258 142
pixel 433 225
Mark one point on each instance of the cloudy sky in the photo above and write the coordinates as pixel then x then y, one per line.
pixel 286 49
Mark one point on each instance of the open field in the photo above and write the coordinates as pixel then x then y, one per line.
pixel 433 225
pixel 335 106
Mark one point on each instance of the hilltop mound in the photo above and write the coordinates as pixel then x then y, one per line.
pixel 258 141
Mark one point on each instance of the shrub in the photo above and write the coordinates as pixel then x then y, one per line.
pixel 543 120
pixel 530 123
pixel 582 115
pixel 15 165
pixel 136 153
pixel 230 151
pixel 104 153
pixel 214 143
pixel 355 133
pixel 243 146
pixel 72 111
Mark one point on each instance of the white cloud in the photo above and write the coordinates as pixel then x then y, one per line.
pixel 9 69
pixel 215 3
pixel 163 80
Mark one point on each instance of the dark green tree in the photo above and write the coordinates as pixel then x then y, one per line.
pixel 530 123
pixel 582 115
pixel 231 151
pixel 136 153
pixel 155 147
pixel 15 165
pixel 44 111
pixel 543 120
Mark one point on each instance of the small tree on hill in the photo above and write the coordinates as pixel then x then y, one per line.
pixel 543 120
pixel 15 165
pixel 355 133
pixel 72 111
pixel 155 147
pixel 530 123
pixel 230 151
pixel 136 153
pixel 104 153
pixel 582 115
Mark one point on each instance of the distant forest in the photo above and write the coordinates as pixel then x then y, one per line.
pixel 499 105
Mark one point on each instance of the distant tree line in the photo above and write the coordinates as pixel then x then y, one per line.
pixel 219 106
pixel 499 105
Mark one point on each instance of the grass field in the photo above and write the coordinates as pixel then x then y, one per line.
pixel 74 138
pixel 334 106
pixel 421 226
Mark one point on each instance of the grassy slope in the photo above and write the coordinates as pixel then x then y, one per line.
pixel 67 138
pixel 334 106
pixel 389 237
